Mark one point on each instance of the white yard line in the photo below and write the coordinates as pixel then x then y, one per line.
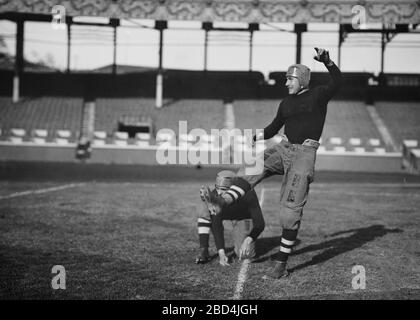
pixel 40 191
pixel 245 265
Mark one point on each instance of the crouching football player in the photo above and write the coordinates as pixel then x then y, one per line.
pixel 245 215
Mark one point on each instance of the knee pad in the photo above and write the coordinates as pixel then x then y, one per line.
pixel 290 217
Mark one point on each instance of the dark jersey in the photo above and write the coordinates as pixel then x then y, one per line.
pixel 248 207
pixel 303 115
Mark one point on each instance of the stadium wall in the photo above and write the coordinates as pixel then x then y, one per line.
pixel 121 156
pixel 181 84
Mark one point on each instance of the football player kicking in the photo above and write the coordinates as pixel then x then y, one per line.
pixel 245 215
pixel 302 114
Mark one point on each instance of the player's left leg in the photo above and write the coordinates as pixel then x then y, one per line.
pixel 203 227
pixel 294 195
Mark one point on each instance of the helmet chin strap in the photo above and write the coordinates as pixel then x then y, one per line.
pixel 302 90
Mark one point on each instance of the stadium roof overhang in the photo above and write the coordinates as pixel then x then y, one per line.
pixel 251 11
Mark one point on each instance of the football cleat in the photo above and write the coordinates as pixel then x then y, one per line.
pixel 204 256
pixel 278 271
pixel 214 202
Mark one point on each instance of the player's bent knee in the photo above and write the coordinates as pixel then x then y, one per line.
pixel 290 218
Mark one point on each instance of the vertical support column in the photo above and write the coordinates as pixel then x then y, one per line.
pixel 299 29
pixel 68 24
pixel 298 46
pixel 382 51
pixel 207 26
pixel 251 27
pixel 161 25
pixel 206 43
pixel 340 42
pixel 18 60
pixel 251 36
pixel 114 23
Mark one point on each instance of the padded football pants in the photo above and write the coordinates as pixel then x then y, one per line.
pixel 296 162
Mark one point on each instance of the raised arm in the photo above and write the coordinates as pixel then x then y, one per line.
pixel 327 91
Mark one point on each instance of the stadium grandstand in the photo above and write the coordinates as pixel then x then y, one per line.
pixel 373 114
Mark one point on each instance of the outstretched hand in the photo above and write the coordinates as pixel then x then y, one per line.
pixel 322 55
pixel 245 250
pixel 223 259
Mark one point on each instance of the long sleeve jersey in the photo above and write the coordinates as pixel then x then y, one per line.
pixel 303 115
pixel 247 207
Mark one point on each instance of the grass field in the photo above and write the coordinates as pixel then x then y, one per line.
pixel 127 240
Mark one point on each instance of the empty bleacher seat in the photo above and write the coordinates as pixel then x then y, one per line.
pixel 355 141
pixel 99 135
pixel 143 136
pixel 410 143
pixel 17 135
pixel 39 136
pixel 143 139
pixel 336 140
pixel 17 132
pixel 99 138
pixel 120 138
pixel 64 134
pixel 62 137
pixel 374 142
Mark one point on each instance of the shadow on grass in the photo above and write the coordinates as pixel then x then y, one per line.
pixel 334 247
pixel 265 245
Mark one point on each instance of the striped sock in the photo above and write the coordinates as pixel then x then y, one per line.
pixel 288 239
pixel 203 226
